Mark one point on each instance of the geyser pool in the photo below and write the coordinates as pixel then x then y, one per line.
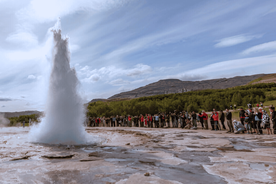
pixel 64 114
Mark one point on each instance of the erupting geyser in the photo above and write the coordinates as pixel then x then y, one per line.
pixel 65 114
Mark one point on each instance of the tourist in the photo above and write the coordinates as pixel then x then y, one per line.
pixel 167 120
pixel 212 120
pixel 242 116
pixel 188 124
pixel 129 121
pixel 216 119
pixel 173 115
pixel 205 120
pixel 176 117
pixel 229 121
pixel 163 120
pixel 113 123
pixel 104 121
pixel 258 120
pixel 266 122
pixel 183 120
pixel 201 119
pixel 273 119
pixel 239 127
pixel 194 120
pixel 135 119
pixel 107 122
pixel 250 115
pixel 98 121
pixel 23 124
pixel 151 121
pixel 156 121
pixel 117 120
pixel 247 124
pixel 141 120
pixel 235 106
pixel 222 119
pixel 253 121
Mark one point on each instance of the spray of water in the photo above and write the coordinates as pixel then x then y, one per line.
pixel 65 114
pixel 3 121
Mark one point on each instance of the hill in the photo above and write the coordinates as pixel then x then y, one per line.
pixel 17 114
pixel 170 86
pixel 265 79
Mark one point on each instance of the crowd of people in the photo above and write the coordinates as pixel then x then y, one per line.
pixel 251 120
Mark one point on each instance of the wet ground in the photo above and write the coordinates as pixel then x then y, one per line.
pixel 140 155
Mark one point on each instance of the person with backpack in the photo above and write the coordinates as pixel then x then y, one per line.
pixel 242 116
pixel 266 122
pixel 258 120
pixel 229 121
pixel 253 121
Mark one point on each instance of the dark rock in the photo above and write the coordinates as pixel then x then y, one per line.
pixel 20 158
pixel 58 156
pixel 147 174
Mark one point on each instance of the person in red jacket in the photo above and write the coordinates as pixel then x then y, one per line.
pixel 216 119
pixel 141 120
pixel 150 121
pixel 146 120
pixel 205 120
pixel 129 121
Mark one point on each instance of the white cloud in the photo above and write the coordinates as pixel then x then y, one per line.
pixel 235 40
pixel 246 66
pixel 24 38
pixel 111 72
pixel 119 82
pixel 50 10
pixel 31 77
pixel 93 78
pixel 139 69
pixel 269 46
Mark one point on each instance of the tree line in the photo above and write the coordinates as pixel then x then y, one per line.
pixel 187 101
pixel 20 119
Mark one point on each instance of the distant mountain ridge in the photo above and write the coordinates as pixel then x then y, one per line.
pixel 169 86
pixel 22 113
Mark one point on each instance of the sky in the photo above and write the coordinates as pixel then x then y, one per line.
pixel 120 45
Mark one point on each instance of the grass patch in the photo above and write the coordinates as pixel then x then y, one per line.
pixel 256 80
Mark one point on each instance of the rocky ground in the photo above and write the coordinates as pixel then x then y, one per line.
pixel 140 155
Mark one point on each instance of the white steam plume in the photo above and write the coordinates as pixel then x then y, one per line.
pixel 65 114
pixel 4 121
